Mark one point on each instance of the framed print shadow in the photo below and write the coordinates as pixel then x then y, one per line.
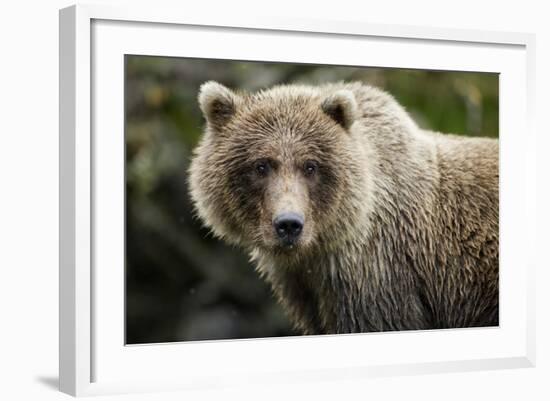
pixel 354 195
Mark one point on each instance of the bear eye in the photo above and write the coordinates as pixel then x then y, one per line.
pixel 262 167
pixel 310 167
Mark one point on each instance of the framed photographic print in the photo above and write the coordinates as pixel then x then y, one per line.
pixel 272 200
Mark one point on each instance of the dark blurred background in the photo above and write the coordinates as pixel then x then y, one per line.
pixel 182 284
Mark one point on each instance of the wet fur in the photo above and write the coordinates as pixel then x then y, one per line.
pixel 406 220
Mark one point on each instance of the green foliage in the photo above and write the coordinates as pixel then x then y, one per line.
pixel 181 283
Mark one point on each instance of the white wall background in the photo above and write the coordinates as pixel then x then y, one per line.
pixel 29 200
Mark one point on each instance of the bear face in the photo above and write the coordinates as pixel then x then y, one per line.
pixel 274 169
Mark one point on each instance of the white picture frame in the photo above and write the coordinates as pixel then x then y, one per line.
pixel 93 356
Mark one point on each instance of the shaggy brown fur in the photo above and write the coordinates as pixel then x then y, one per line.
pixel 400 224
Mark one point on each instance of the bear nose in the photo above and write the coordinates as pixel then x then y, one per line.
pixel 288 227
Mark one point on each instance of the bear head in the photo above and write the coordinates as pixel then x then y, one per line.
pixel 278 170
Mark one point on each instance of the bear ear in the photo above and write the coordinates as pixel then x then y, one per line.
pixel 218 103
pixel 341 107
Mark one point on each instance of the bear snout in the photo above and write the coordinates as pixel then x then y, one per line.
pixel 288 227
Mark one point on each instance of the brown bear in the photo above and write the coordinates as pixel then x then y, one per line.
pixel 360 220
